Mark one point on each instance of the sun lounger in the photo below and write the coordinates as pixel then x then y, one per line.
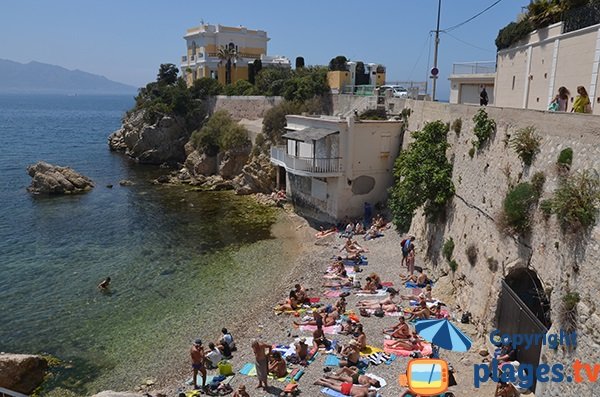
pixel 404 353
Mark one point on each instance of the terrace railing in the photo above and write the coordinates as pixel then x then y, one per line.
pixel 484 67
pixel 313 165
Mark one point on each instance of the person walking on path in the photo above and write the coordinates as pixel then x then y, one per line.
pixel 261 353
pixel 582 102
pixel 483 97
pixel 198 359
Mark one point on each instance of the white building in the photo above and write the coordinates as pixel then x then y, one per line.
pixel 331 166
pixel 469 78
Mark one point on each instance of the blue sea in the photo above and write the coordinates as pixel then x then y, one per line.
pixel 174 254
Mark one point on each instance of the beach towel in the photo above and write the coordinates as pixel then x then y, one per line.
pixel 380 292
pixel 388 314
pixel 332 294
pixel 370 350
pixel 330 330
pixel 332 393
pixel 332 361
pixel 404 353
pixel 315 299
pixel 350 262
pixel 410 284
pixel 209 379
pixel 382 381
pixel 387 283
pixel 249 369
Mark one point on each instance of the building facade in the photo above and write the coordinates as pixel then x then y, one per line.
pixel 530 73
pixel 202 56
pixel 331 166
pixel 468 80
pixel 346 81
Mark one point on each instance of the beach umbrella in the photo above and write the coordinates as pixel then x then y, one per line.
pixel 444 334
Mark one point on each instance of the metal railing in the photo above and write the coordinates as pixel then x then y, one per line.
pixel 307 164
pixel 474 67
pixel 359 90
pixel 10 393
pixel 581 17
pixel 420 85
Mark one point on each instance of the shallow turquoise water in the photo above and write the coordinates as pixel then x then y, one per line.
pixel 173 254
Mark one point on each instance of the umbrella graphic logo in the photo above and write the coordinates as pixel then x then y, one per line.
pixel 444 334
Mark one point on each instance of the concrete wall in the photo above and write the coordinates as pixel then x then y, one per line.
pixel 244 107
pixel 481 186
pixel 529 74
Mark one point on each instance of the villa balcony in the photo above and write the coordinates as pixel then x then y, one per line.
pixel 474 68
pixel 306 166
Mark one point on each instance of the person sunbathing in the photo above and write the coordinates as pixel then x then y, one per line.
pixel 337 267
pixel 346 388
pixel 420 279
pixel 436 311
pixel 351 354
pixel 318 319
pixel 342 275
pixel 291 303
pixel 277 365
pixel 361 337
pixel 359 228
pixel 370 287
pixel 301 350
pixel 352 375
pixel 413 344
pixel 340 305
pixel 301 295
pixel 241 392
pixel 339 284
pixel 421 312
pixel 373 303
pixel 324 233
pixel 348 328
pixel 399 331
pixel 348 231
pixel 376 279
pixel 319 339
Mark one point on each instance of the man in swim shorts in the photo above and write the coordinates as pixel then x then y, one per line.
pixel 198 359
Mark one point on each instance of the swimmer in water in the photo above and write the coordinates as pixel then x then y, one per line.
pixel 103 286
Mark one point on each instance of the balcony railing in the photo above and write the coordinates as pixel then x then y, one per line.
pixel 306 164
pixel 474 67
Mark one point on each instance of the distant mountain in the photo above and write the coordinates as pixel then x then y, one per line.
pixel 36 77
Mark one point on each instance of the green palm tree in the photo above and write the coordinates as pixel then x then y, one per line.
pixel 227 54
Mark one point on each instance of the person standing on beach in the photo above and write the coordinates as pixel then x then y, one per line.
pixel 198 359
pixel 261 353
pixel 406 246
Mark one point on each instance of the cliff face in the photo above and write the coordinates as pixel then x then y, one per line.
pixel 563 263
pixel 162 142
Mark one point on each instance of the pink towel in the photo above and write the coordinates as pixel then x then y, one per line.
pixel 387 284
pixel 331 330
pixel 314 300
pixel 332 294
pixel 404 353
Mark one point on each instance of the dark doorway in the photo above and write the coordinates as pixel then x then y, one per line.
pixel 523 309
pixel 281 178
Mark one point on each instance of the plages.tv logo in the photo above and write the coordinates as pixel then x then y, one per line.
pixel 505 368
pixel 427 377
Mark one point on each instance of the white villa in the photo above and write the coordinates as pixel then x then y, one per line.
pixel 331 166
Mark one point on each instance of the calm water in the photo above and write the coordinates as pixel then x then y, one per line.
pixel 173 254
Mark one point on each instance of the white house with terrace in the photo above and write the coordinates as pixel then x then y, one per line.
pixel 331 166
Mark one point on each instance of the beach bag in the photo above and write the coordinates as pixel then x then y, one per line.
pixel 379 312
pixel 225 368
pixel 553 107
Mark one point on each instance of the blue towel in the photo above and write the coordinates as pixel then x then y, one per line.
pixel 246 368
pixel 391 359
pixel 332 360
pixel 332 393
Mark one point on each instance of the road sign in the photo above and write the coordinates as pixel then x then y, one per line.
pixel 435 71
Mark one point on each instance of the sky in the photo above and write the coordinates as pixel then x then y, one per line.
pixel 127 40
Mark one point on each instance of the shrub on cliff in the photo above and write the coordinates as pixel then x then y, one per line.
pixel 423 176
pixel 306 83
pixel 206 87
pixel 526 143
pixel 577 200
pixel 240 87
pixel 271 81
pixel 483 129
pixel 518 208
pixel 218 134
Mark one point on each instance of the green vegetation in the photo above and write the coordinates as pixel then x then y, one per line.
pixel 206 87
pixel 220 133
pixel 453 265
pixel 294 85
pixel 537 181
pixel 565 159
pixel 483 129
pixel 577 200
pixel 540 13
pixel 456 125
pixel 571 299
pixel 546 207
pixel 240 87
pixel 569 314
pixel 526 144
pixel 274 121
pixel 517 208
pixel 471 253
pixel 373 114
pixel 423 176
pixel 471 152
pixel 448 249
pixel 338 63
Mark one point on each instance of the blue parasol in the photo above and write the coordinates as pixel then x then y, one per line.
pixel 444 334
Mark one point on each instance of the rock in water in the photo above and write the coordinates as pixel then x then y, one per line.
pixel 52 179
pixel 21 372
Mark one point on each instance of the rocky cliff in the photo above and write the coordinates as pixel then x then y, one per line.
pixel 158 143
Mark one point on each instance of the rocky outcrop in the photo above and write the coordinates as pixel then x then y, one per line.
pixel 21 372
pixel 200 164
pixel 162 142
pixel 233 161
pixel 52 179
pixel 258 176
pixel 226 164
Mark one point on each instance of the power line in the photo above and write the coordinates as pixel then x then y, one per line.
pixel 451 28
pixel 469 44
pixel 420 55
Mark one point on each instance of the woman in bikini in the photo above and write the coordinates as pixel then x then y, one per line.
pixel 370 287
pixel 291 303
pixel 421 312
pixel 346 388
pixel 352 375
pixel 361 337
pixel 412 344
pixel 374 304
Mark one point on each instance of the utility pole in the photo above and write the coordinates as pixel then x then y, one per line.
pixel 434 70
